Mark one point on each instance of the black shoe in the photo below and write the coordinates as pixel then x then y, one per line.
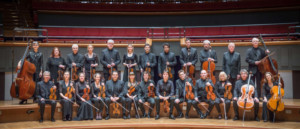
pixel 124 117
pixel 23 101
pixel 180 115
pixel 52 119
pixel 236 118
pixel 149 115
pixel 257 119
pixel 187 116
pixel 136 116
pixel 220 116
pixel 265 120
pixel 202 116
pixel 172 117
pixel 64 119
pixel 41 120
pixel 107 117
pixel 157 117
pixel 206 114
pixel 144 115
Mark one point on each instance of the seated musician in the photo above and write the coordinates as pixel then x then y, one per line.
pixel 220 90
pixel 85 110
pixel 115 91
pixel 164 92
pixel 201 95
pixel 66 102
pixel 131 96
pixel 43 95
pixel 237 93
pixel 143 93
pixel 181 83
pixel 98 88
pixel 269 82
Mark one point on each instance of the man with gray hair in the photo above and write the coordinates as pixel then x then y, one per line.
pixel 232 64
pixel 207 54
pixel 75 59
pixel 109 58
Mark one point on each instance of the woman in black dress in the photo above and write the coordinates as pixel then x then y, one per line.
pixel 268 84
pixel 98 88
pixel 220 90
pixel 66 86
pixel 85 110
pixel 130 60
pixel 91 60
pixel 54 63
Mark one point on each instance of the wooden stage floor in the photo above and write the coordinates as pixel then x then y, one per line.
pixel 145 123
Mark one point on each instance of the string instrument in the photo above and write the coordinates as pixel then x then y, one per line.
pixel 116 110
pixel 111 70
pixel 74 73
pixel 70 90
pixel 86 94
pixel 210 92
pixel 102 91
pixel 24 87
pixel 151 92
pixel 275 103
pixel 191 72
pixel 60 73
pixel 246 101
pixel 228 93
pixel 131 90
pixel 210 66
pixel 93 71
pixel 189 94
pixel 166 104
pixel 52 95
pixel 169 70
pixel 148 69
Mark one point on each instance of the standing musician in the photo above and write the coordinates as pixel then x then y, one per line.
pixel 115 92
pixel 98 91
pixel 144 94
pixel 91 61
pixel 237 93
pixel 130 60
pixel 147 60
pixel 67 92
pixel 220 91
pixel 201 94
pixel 75 60
pixel 232 64
pixel 181 84
pixel 166 59
pixel 36 58
pixel 83 94
pixel 132 94
pixel 165 92
pixel 188 55
pixel 207 54
pixel 253 57
pixel 109 58
pixel 269 82
pixel 43 95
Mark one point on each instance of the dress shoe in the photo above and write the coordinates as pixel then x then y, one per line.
pixel 157 117
pixel 107 117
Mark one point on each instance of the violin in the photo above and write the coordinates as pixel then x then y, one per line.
pixel 52 95
pixel 191 72
pixel 116 110
pixel 275 103
pixel 246 101
pixel 111 70
pixel 148 69
pixel 70 91
pixel 227 93
pixel 24 82
pixel 189 92
pixel 166 104
pixel 210 66
pixel 74 73
pixel 60 73
pixel 86 94
pixel 102 91
pixel 210 92
pixel 151 92
pixel 131 88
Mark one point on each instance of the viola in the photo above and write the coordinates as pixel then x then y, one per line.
pixel 151 92
pixel 246 101
pixel 70 91
pixel 210 92
pixel 189 92
pixel 227 93
pixel 52 95
pixel 116 110
pixel 102 91
pixel 148 69
pixel 210 66
pixel 275 103
pixel 166 104
pixel 86 94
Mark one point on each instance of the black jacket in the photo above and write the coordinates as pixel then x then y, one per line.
pixel 43 89
pixel 163 58
pixel 107 56
pixel 254 54
pixel 185 57
pixel 143 89
pixel 200 91
pixel 76 58
pixel 144 58
pixel 231 64
pixel 204 54
pixel 238 85
pixel 37 59
pixel 167 87
pixel 115 88
pixel 180 87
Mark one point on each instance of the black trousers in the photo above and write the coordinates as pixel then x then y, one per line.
pixel 236 108
pixel 257 76
pixel 170 100
pixel 227 104
pixel 98 103
pixel 151 101
pixel 42 107
pixel 108 102
pixel 266 111
pixel 203 99
pixel 189 105
pixel 128 104
pixel 67 108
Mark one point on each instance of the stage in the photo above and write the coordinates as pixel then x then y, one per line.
pixel 13 115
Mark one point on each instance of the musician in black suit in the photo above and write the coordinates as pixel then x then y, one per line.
pixel 166 59
pixel 253 57
pixel 75 59
pixel 147 59
pixel 232 64
pixel 188 55
pixel 43 93
pixel 207 54
pixel 109 58
pixel 237 93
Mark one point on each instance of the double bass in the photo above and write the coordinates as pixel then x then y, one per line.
pixel 209 66
pixel 275 103
pixel 24 87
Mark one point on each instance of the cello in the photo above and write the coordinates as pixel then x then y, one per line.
pixel 275 104
pixel 190 68
pixel 24 87
pixel 246 101
pixel 210 66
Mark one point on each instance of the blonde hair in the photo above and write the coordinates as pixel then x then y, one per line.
pixel 90 45
pixel 221 74
pixel 130 45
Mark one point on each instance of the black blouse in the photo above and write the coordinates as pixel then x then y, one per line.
pixel 88 61
pixel 80 90
pixel 53 66
pixel 267 89
pixel 133 59
pixel 63 87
